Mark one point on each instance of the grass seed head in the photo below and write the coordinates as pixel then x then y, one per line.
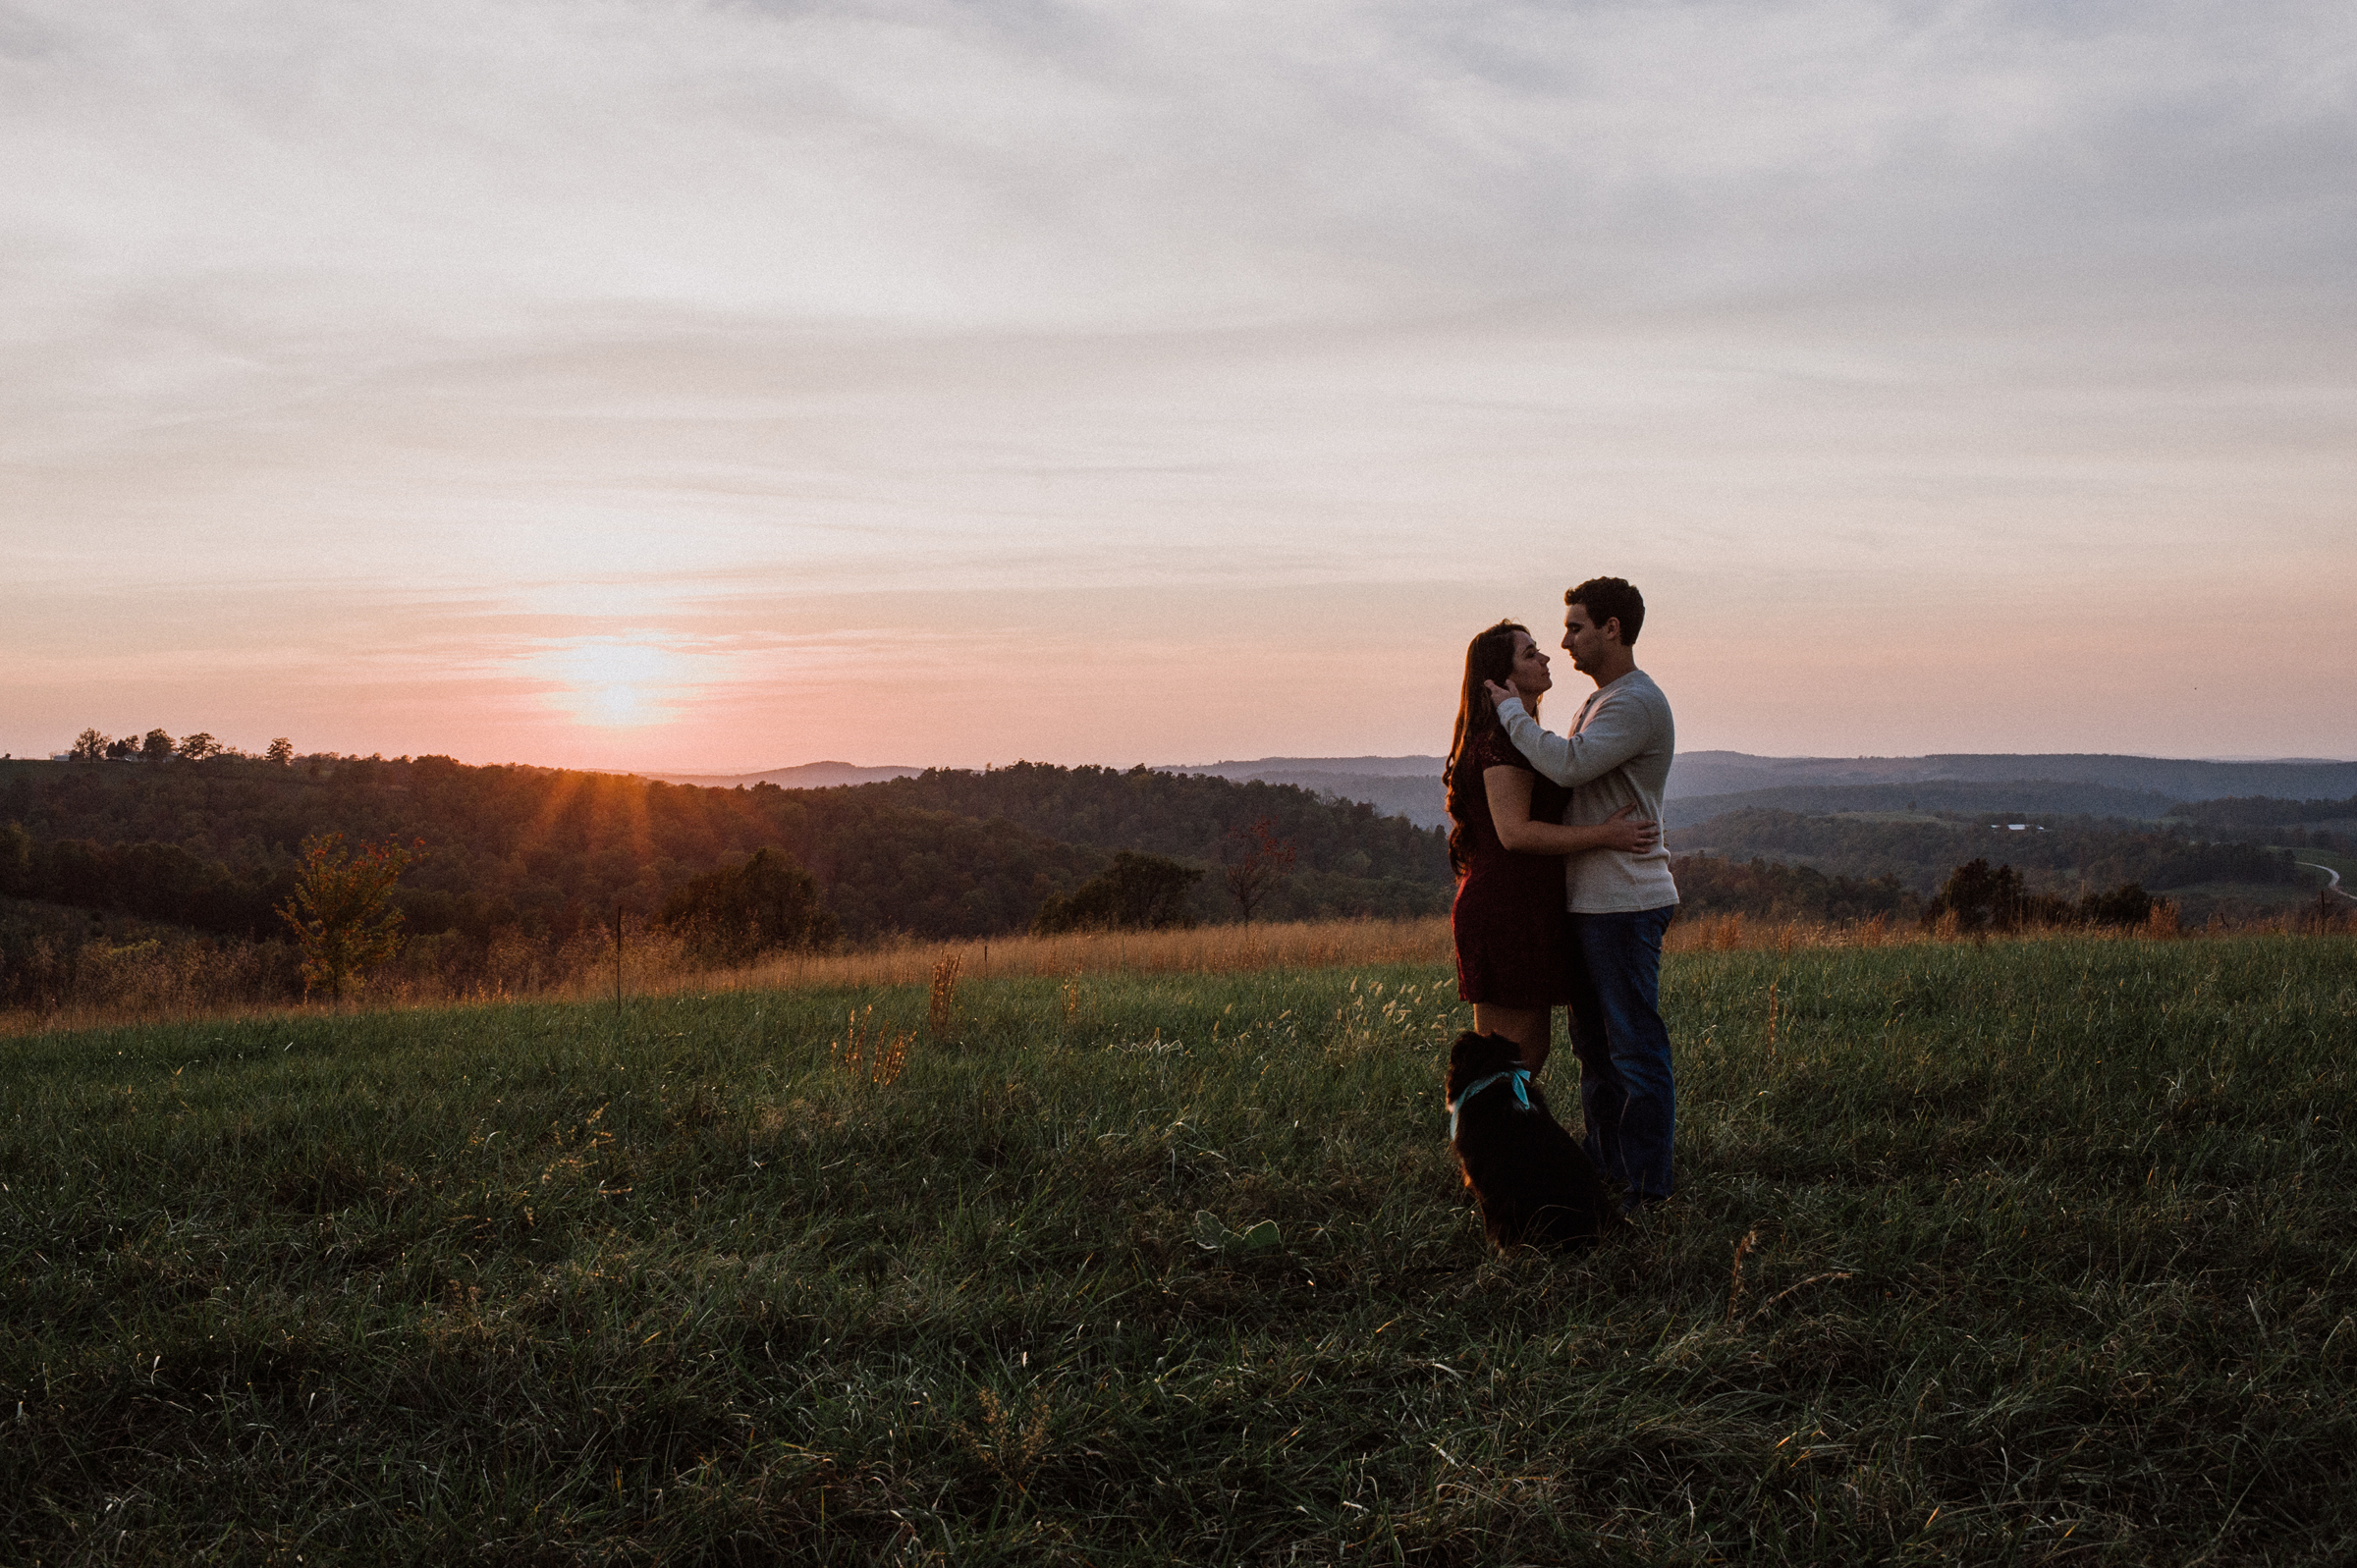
pixel 941 1006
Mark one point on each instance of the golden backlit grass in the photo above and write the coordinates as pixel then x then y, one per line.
pixel 1237 949
pixel 1198 950
pixel 653 965
pixel 151 983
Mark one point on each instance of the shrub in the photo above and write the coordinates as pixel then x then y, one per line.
pixel 1977 898
pixel 2127 905
pixel 1258 861
pixel 736 913
pixel 1136 892
pixel 341 923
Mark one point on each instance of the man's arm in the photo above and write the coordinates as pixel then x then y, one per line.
pixel 1615 733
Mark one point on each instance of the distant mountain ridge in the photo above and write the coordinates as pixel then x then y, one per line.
pixel 1412 767
pixel 1716 773
pixel 2093 784
pixel 808 775
pixel 2089 782
pixel 2011 798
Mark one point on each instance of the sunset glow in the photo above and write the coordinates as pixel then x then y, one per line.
pixel 615 686
pixel 706 389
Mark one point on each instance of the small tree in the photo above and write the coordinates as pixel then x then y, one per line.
pixel 123 748
pixel 1983 899
pixel 338 911
pixel 199 746
pixel 1257 861
pixel 2127 905
pixel 1136 892
pixel 157 747
pixel 280 752
pixel 16 859
pixel 736 913
pixel 89 746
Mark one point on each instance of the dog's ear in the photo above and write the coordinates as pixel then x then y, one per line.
pixel 1498 1052
pixel 1468 1050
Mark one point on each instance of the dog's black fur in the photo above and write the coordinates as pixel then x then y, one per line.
pixel 1535 1184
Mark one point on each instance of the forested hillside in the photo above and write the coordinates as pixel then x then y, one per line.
pixel 1777 890
pixel 2063 854
pixel 1182 816
pixel 1720 773
pixel 518 861
pixel 2263 811
pixel 2011 800
pixel 211 843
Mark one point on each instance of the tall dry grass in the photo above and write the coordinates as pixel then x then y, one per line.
pixel 656 964
pixel 1751 934
pixel 206 982
pixel 104 985
pixel 103 981
pixel 1200 949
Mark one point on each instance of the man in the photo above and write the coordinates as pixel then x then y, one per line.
pixel 1616 754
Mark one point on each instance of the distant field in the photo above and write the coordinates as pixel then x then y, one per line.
pixel 2346 865
pixel 1892 816
pixel 2243 901
pixel 2030 1252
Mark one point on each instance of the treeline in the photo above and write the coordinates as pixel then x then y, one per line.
pixel 159 881
pixel 2261 811
pixel 1980 897
pixel 212 843
pixel 1917 852
pixel 157 746
pixel 1775 890
pixel 1922 854
pixel 1965 799
pixel 1180 816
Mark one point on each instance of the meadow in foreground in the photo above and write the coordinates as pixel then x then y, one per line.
pixel 2026 1252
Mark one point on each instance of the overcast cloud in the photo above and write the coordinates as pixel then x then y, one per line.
pixel 509 300
pixel 322 166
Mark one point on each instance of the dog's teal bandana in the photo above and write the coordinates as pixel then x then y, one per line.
pixel 1521 1081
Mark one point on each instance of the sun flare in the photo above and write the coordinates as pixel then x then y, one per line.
pixel 615 686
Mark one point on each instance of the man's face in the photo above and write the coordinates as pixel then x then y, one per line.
pixel 1585 641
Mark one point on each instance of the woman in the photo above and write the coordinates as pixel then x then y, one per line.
pixel 1513 942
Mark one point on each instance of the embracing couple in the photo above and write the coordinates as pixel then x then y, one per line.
pixel 1563 887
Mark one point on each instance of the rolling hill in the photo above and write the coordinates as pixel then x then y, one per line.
pixel 212 844
pixel 1715 782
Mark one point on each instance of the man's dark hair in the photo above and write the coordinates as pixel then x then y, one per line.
pixel 1611 599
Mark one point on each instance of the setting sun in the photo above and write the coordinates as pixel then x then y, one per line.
pixel 614 686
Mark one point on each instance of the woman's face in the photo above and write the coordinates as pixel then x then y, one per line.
pixel 1530 677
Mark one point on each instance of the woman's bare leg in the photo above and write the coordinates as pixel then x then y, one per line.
pixel 1527 1027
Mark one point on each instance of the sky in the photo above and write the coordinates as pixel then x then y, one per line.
pixel 710 387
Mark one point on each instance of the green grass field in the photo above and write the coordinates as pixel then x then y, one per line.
pixel 2346 865
pixel 2050 1253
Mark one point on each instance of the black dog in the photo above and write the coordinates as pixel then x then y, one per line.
pixel 1535 1184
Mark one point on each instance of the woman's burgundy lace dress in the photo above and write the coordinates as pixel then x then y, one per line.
pixel 1513 937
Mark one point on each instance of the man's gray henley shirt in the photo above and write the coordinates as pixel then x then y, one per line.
pixel 1618 754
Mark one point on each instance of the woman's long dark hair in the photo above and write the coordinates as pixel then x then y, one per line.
pixel 1488 657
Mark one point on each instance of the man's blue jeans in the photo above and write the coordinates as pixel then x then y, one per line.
pixel 1627 1089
